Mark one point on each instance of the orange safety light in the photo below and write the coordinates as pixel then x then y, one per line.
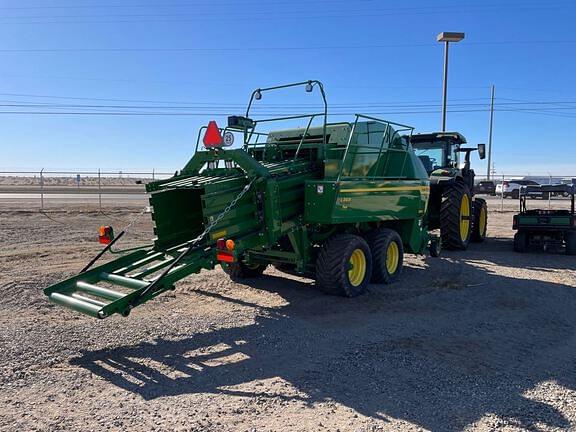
pixel 212 137
pixel 230 244
pixel 105 234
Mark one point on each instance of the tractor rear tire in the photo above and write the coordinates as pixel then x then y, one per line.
pixel 456 216
pixel 480 221
pixel 570 239
pixel 344 266
pixel 387 255
pixel 239 270
pixel 520 242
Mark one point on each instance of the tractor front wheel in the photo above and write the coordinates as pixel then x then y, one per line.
pixel 480 221
pixel 387 255
pixel 456 216
pixel 240 270
pixel 344 265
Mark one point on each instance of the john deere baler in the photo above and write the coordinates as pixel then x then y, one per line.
pixel 336 202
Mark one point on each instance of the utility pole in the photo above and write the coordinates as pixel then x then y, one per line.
pixel 490 132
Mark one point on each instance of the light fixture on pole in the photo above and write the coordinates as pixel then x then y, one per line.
pixel 447 37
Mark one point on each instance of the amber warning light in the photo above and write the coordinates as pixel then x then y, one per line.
pixel 105 234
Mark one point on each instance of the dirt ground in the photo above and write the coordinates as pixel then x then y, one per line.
pixel 479 340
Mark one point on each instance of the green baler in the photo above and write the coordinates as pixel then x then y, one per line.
pixel 337 202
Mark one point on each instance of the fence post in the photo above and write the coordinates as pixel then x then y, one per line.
pixel 42 189
pixel 502 195
pixel 549 194
pixel 99 192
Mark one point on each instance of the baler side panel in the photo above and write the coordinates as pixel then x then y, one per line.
pixel 365 201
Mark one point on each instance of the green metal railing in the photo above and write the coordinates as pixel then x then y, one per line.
pixel 388 135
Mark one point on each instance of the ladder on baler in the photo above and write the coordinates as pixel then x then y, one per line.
pixel 120 285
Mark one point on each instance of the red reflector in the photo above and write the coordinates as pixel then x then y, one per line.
pixel 226 257
pixel 212 137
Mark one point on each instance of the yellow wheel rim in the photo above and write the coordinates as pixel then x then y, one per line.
pixel 392 257
pixel 464 217
pixel 483 220
pixel 357 270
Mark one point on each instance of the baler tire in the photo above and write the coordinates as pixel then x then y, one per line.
pixel 570 240
pixel 520 242
pixel 480 221
pixel 380 241
pixel 239 270
pixel 451 217
pixel 333 265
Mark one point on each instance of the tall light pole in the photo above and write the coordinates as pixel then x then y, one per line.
pixel 490 127
pixel 447 37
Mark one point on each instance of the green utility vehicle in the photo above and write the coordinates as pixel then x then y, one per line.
pixel 336 202
pixel 545 228
pixel 453 208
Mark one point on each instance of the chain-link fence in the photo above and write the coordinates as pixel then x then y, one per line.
pixel 59 190
pixel 50 190
pixel 502 190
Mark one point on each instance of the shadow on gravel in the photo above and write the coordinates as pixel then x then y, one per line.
pixel 500 251
pixel 441 358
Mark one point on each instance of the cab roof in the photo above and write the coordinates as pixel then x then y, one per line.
pixel 455 137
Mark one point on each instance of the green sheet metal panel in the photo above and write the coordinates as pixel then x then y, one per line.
pixel 544 220
pixel 353 201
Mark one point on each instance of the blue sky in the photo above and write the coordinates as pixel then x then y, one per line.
pixel 205 57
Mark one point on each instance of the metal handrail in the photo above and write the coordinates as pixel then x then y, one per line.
pixel 385 136
pixel 303 137
pixel 311 83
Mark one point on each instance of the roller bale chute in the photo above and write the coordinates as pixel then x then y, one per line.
pixel 337 202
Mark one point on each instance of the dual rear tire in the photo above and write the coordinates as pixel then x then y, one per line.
pixel 347 263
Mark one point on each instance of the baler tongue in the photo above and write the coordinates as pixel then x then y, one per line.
pixel 120 285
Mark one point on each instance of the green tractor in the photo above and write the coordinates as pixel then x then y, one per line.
pixel 453 208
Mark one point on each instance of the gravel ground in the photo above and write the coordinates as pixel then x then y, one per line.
pixel 481 340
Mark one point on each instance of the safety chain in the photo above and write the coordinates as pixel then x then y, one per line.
pixel 135 218
pixel 226 210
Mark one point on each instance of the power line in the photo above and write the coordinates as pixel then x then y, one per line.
pixel 254 16
pixel 192 114
pixel 242 104
pixel 285 48
pixel 257 3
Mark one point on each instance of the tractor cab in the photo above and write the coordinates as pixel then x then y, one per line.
pixel 438 150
